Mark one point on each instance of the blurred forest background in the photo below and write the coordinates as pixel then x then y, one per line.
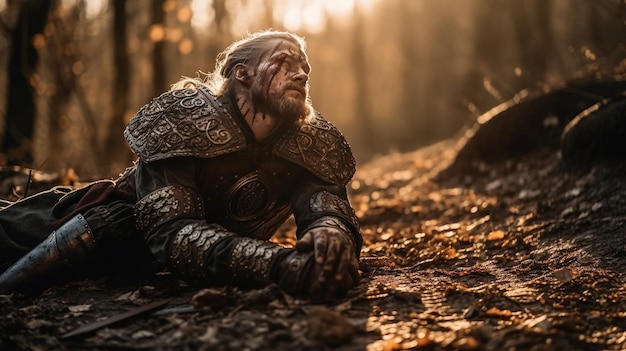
pixel 393 75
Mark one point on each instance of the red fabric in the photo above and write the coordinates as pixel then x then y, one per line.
pixel 100 193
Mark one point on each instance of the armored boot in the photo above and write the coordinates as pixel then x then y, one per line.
pixel 101 241
pixel 71 243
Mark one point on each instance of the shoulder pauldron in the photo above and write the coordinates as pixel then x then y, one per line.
pixel 189 122
pixel 319 146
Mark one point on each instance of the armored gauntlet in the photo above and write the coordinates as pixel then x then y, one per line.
pixel 191 247
pixel 330 210
pixel 249 264
pixel 294 272
pixel 252 263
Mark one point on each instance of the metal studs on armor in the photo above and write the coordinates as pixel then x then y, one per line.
pixel 165 204
pixel 251 261
pixel 297 262
pixel 327 202
pixel 192 244
pixel 319 147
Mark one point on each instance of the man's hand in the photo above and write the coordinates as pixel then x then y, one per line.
pixel 336 265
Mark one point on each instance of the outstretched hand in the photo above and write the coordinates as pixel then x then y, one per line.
pixel 336 265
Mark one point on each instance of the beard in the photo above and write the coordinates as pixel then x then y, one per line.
pixel 284 107
pixel 289 108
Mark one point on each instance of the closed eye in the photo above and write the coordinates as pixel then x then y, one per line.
pixel 292 64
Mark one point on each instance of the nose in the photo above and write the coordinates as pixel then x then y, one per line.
pixel 301 76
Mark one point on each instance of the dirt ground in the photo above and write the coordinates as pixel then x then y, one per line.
pixel 519 254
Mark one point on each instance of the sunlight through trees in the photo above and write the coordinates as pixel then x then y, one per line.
pixel 394 75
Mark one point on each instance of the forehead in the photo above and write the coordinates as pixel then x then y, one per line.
pixel 278 47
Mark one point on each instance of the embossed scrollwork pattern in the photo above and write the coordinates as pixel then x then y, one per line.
pixel 320 148
pixel 327 202
pixel 251 197
pixel 188 122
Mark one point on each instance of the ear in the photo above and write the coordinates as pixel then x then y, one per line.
pixel 243 73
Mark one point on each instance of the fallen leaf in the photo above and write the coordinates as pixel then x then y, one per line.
pixel 563 275
pixel 495 235
pixel 496 312
pixel 391 345
pixel 37 323
pixel 209 297
pixel 467 343
pixel 406 295
pixel 450 253
pixel 79 308
pixel 142 334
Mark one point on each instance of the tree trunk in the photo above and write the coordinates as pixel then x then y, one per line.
pixel 533 34
pixel 62 143
pixel 63 82
pixel 483 80
pixel 413 79
pixel 158 59
pixel 21 111
pixel 359 70
pixel 215 45
pixel 118 154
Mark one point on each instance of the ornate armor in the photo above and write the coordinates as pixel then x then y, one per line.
pixel 193 122
pixel 319 146
pixel 191 245
pixel 251 197
pixel 189 122
pixel 251 260
pixel 166 204
pixel 332 204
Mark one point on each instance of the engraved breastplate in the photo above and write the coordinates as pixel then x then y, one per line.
pixel 251 197
pixel 252 206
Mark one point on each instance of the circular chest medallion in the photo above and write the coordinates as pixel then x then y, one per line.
pixel 250 197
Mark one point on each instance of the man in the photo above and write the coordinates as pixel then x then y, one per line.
pixel 223 162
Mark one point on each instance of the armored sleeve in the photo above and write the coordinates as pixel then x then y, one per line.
pixel 171 216
pixel 318 203
pixel 322 151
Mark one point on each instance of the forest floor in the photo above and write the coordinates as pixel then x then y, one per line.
pixel 518 255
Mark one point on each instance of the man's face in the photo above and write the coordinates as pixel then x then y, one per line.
pixel 280 84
